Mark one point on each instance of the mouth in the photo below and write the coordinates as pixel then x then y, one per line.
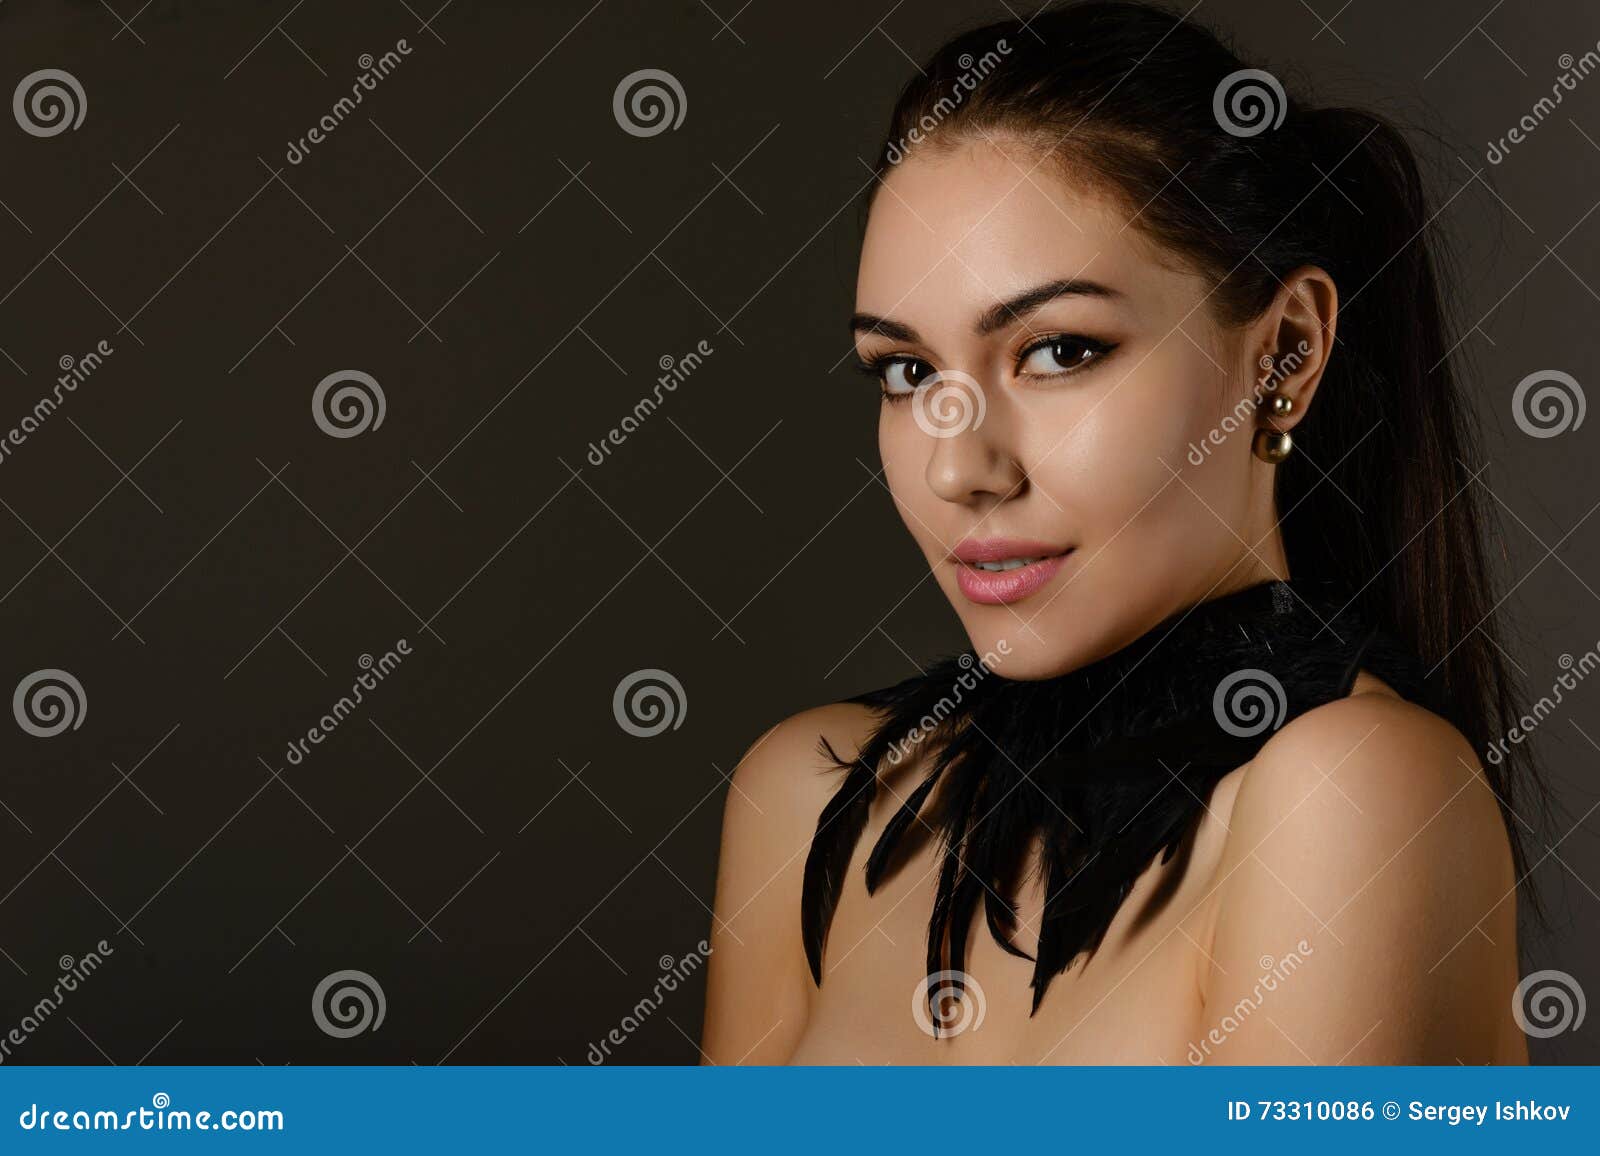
pixel 997 571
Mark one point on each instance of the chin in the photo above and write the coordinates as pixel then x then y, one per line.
pixel 1024 653
pixel 1015 644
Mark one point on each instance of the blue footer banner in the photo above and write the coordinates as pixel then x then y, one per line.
pixel 820 1111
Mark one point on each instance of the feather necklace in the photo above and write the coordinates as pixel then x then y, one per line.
pixel 1104 767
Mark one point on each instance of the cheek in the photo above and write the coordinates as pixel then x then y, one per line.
pixel 1121 465
pixel 903 453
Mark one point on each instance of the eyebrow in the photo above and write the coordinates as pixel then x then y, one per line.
pixel 997 316
pixel 1001 314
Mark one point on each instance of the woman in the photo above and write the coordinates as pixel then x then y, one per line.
pixel 1167 407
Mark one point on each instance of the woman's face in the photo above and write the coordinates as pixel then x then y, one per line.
pixel 1051 382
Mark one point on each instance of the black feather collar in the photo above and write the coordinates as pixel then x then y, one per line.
pixel 1105 767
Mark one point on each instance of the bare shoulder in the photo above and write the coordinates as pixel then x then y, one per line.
pixel 759 990
pixel 1365 842
pixel 1373 765
pixel 788 766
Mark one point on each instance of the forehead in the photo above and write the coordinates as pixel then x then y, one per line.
pixel 953 229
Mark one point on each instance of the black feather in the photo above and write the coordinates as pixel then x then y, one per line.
pixel 883 850
pixel 838 831
pixel 1104 769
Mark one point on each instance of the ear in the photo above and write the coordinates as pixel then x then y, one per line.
pixel 1292 341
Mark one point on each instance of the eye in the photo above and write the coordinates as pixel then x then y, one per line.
pixel 899 375
pixel 1061 354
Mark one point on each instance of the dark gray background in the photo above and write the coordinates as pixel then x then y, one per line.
pixel 740 539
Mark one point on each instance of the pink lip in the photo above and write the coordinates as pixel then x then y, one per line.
pixel 997 587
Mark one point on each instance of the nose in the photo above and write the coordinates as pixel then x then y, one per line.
pixel 969 459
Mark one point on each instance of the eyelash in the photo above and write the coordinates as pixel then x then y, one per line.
pixel 879 366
